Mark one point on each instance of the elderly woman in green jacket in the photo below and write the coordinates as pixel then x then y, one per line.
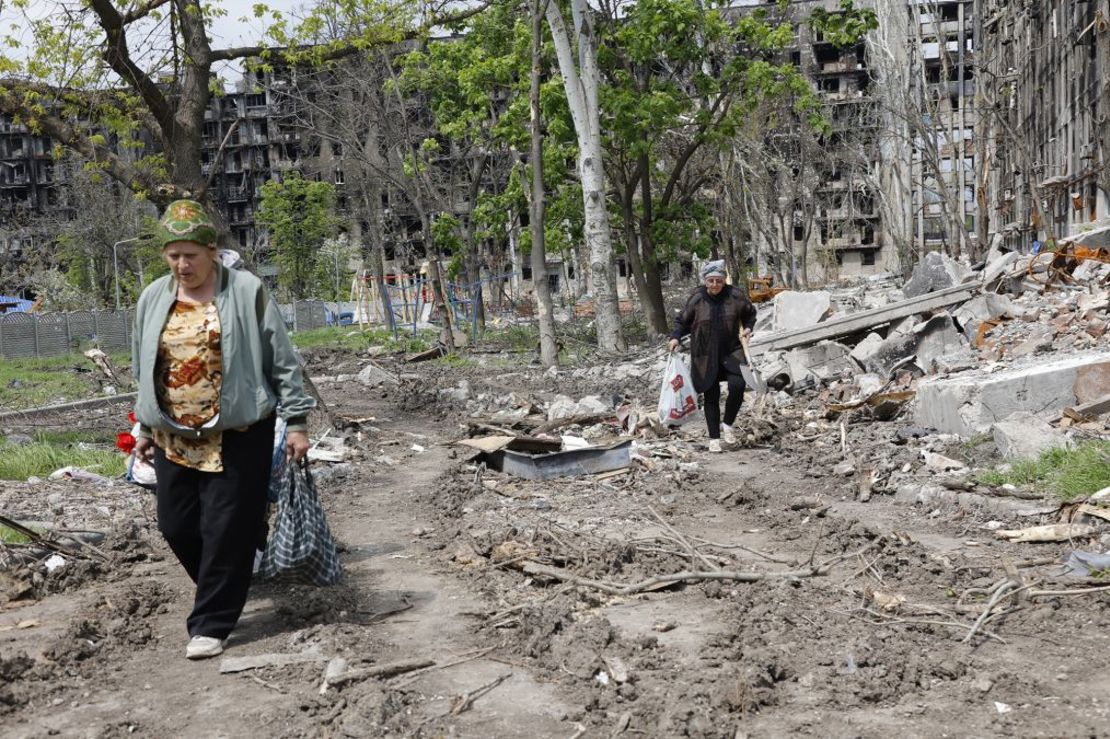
pixel 213 362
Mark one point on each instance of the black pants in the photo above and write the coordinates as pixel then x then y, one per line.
pixel 732 403
pixel 211 521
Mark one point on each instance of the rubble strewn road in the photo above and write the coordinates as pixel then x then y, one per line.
pixel 842 570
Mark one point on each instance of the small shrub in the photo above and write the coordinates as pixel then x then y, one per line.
pixel 1067 473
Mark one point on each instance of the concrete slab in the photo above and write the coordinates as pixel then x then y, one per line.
pixel 935 272
pixel 1024 435
pixel 794 310
pixel 939 338
pixel 823 360
pixel 971 402
pixel 866 349
pixel 983 308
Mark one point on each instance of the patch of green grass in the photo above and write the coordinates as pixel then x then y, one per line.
pixel 39 459
pixel 518 338
pixel 1067 473
pixel 10 536
pixel 977 441
pixel 353 338
pixel 38 381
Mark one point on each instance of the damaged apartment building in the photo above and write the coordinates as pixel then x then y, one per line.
pixel 1045 68
pixel 994 130
pixel 954 126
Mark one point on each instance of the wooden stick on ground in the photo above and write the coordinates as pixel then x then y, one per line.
pixel 535 568
pixel 466 700
pixel 683 540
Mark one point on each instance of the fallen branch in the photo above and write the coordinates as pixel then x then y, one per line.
pixel 466 700
pixel 1067 591
pixel 389 669
pixel 925 622
pixel 683 540
pixel 443 666
pixel 535 568
pixel 1008 587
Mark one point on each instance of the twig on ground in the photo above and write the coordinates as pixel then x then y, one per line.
pixel 416 674
pixel 535 568
pixel 683 540
pixel 1007 587
pixel 466 700
pixel 267 684
pixel 886 620
pixel 741 547
pixel 389 669
pixel 1068 591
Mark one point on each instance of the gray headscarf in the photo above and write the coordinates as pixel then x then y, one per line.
pixel 713 269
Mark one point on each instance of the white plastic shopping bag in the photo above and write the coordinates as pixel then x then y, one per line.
pixel 139 471
pixel 678 402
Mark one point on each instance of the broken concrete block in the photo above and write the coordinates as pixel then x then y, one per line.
pixel 1024 435
pixel 821 361
pixel 460 392
pixel 372 376
pixel 983 308
pixel 1039 341
pixel 891 353
pixel 794 310
pixel 938 337
pixel 1090 270
pixel 970 403
pixel 939 463
pixel 935 272
pixel 866 349
pixel 998 267
pixel 564 407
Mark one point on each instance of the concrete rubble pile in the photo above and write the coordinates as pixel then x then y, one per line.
pixel 1020 334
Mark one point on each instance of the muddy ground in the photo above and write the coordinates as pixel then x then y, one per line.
pixel 860 621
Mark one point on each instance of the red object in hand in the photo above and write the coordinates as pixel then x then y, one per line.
pixel 125 442
pixel 131 417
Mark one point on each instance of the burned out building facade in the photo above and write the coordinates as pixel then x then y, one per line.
pixel 1045 67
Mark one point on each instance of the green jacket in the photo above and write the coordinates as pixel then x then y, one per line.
pixel 260 367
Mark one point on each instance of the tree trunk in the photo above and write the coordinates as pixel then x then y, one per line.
pixel 549 350
pixel 439 289
pixel 653 289
pixel 581 83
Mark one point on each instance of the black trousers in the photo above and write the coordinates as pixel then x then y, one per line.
pixel 712 398
pixel 211 521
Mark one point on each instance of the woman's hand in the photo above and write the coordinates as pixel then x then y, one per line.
pixel 746 333
pixel 144 449
pixel 672 345
pixel 296 445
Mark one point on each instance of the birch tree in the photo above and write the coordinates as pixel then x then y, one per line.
pixel 549 351
pixel 581 79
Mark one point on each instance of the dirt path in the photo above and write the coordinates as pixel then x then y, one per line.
pixel 432 547
pixel 393 605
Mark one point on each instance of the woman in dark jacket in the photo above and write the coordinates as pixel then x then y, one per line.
pixel 715 315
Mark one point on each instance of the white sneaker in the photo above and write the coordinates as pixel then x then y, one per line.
pixel 714 445
pixel 728 436
pixel 203 647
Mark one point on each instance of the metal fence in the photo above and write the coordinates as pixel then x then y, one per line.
pixel 54 334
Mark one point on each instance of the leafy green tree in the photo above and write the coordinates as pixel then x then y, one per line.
pixel 332 277
pixel 121 68
pixel 681 80
pixel 299 215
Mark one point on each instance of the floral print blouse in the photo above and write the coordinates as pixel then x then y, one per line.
pixel 188 378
